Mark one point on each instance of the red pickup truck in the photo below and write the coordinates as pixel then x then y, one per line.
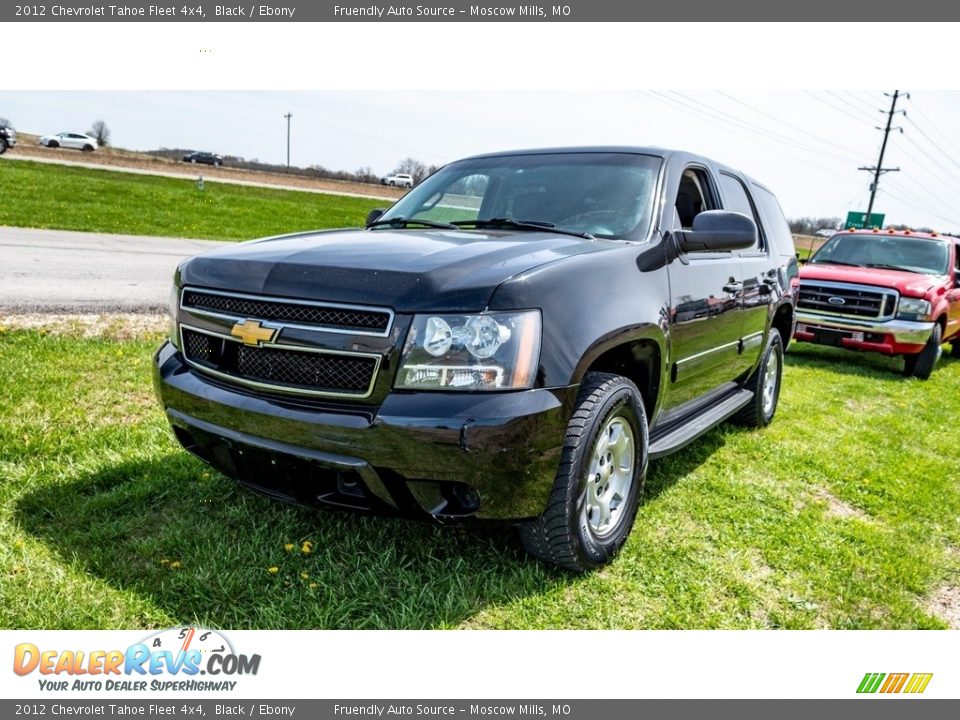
pixel 892 292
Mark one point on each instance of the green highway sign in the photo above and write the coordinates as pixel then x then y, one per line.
pixel 857 221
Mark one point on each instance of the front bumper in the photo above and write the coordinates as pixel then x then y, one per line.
pixel 893 337
pixel 444 456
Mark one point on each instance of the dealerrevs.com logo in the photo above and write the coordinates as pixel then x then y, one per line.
pixel 891 683
pixel 169 660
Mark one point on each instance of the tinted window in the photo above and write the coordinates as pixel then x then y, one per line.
pixel 774 223
pixel 735 199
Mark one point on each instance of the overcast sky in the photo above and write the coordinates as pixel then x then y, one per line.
pixel 806 146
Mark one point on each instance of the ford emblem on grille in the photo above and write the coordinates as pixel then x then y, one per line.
pixel 836 301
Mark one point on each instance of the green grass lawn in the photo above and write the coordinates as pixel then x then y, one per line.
pixel 845 513
pixel 38 195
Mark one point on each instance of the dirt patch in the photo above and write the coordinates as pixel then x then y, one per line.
pixel 837 508
pixel 945 604
pixel 28 147
pixel 113 326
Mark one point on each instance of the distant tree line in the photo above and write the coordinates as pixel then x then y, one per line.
pixel 810 225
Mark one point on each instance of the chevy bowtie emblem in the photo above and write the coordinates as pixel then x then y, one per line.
pixel 251 332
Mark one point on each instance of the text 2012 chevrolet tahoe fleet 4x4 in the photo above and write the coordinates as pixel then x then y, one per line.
pixel 892 292
pixel 512 340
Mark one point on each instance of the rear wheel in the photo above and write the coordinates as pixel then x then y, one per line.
pixel 88 148
pixel 594 500
pixel 921 365
pixel 765 384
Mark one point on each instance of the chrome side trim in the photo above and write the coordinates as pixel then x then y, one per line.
pixel 288 301
pixel 279 346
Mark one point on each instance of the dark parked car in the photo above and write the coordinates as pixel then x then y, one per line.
pixel 8 138
pixel 513 341
pixel 205 158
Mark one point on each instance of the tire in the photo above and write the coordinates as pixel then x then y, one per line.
pixel 53 144
pixel 955 347
pixel 572 533
pixel 3 147
pixel 88 148
pixel 921 365
pixel 765 384
pixel 392 183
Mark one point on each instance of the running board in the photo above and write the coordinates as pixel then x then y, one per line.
pixel 688 432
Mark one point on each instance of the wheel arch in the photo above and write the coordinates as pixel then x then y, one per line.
pixel 637 354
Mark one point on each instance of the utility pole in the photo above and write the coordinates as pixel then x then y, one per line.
pixel 290 115
pixel 879 169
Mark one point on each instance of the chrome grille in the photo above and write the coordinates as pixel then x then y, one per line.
pixel 845 300
pixel 320 315
pixel 325 373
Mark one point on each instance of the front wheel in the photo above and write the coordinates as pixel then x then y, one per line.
pixel 921 365
pixel 955 348
pixel 3 147
pixel 596 491
pixel 765 385
pixel 53 144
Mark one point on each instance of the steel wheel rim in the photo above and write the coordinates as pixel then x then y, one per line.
pixel 609 478
pixel 770 381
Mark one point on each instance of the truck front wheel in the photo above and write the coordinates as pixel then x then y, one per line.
pixel 921 365
pixel 603 465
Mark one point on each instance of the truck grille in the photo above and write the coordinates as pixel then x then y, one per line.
pixel 860 301
pixel 323 373
pixel 320 315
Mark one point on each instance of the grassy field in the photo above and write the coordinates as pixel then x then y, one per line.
pixel 845 513
pixel 38 195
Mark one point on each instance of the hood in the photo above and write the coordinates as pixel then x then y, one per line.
pixel 407 270
pixel 906 283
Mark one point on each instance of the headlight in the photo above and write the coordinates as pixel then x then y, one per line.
pixel 173 306
pixel 913 309
pixel 492 351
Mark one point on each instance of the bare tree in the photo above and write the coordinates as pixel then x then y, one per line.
pixel 413 167
pixel 101 132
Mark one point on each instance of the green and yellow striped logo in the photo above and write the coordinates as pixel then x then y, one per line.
pixel 894 683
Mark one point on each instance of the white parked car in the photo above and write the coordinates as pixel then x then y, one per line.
pixel 78 141
pixel 398 180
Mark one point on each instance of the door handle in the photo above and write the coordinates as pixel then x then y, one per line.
pixel 733 287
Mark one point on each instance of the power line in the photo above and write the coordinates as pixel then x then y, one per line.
pixel 753 127
pixel 926 210
pixel 859 119
pixel 851 105
pixel 784 122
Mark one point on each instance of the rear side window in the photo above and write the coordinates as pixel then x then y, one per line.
pixel 735 199
pixel 774 223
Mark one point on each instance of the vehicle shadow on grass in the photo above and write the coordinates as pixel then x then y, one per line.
pixel 846 362
pixel 203 550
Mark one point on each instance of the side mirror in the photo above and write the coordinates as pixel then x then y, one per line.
pixel 716 230
pixel 804 261
pixel 374 215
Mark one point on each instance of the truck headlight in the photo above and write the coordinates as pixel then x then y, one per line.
pixel 489 351
pixel 173 306
pixel 913 309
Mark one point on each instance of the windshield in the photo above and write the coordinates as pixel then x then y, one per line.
pixel 917 255
pixel 607 195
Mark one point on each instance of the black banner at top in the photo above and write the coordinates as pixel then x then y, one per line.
pixel 853 11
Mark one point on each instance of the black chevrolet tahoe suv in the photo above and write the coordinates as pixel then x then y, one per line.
pixel 513 340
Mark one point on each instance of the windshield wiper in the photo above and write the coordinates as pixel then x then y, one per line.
pixel 523 225
pixel 401 222
pixel 835 262
pixel 894 267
